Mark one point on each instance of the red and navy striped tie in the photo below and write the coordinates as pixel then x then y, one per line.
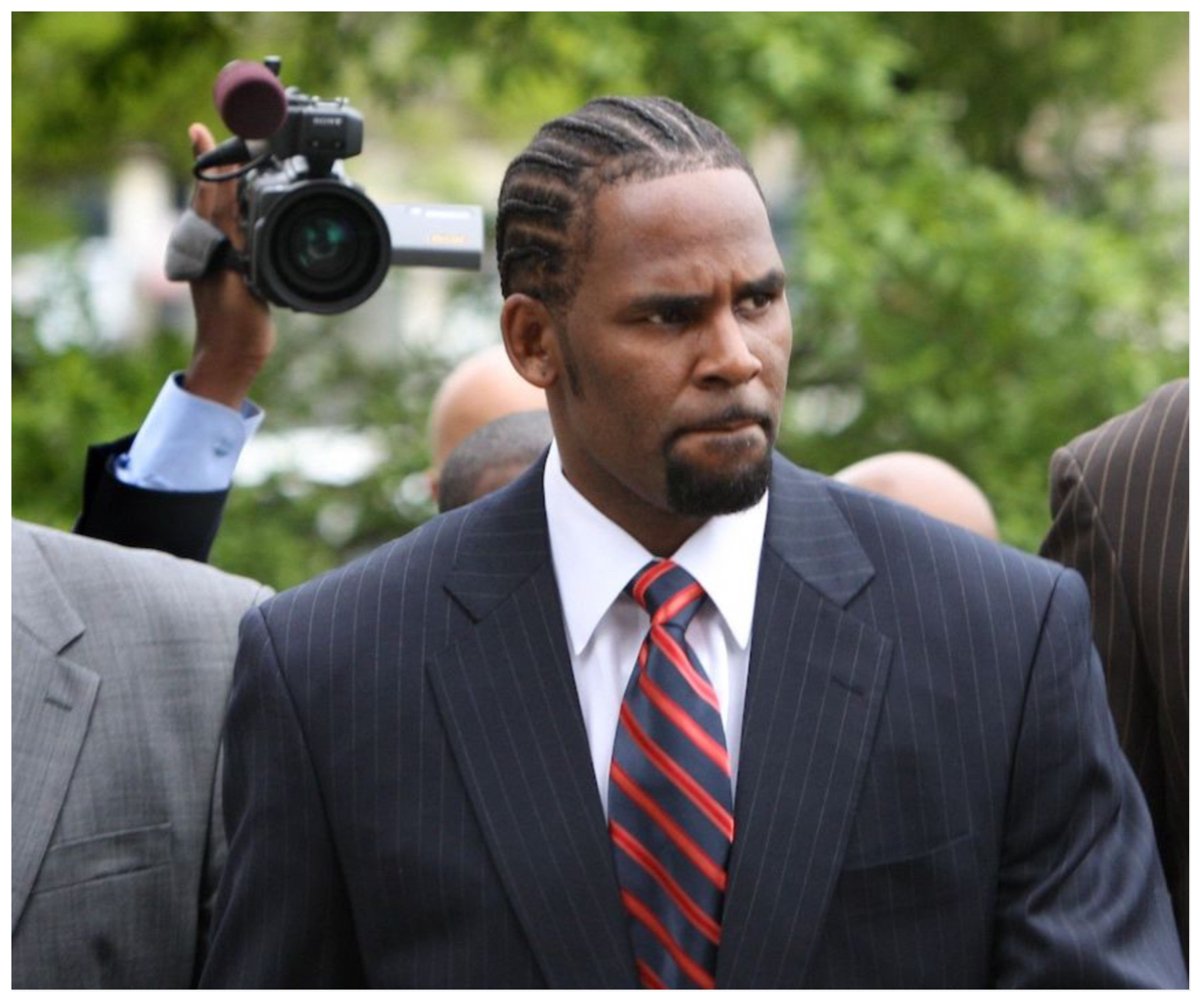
pixel 670 804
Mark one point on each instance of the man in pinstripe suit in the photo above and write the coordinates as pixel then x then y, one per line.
pixel 926 784
pixel 1119 495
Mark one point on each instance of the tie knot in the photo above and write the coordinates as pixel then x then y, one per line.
pixel 668 592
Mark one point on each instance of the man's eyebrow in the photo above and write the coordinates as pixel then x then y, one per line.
pixel 772 283
pixel 666 302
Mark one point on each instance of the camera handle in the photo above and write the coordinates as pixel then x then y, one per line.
pixel 197 248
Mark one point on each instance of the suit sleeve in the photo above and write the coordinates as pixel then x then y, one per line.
pixel 210 873
pixel 282 916
pixel 1081 899
pixel 1078 539
pixel 183 524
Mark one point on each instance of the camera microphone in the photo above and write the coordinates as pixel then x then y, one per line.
pixel 250 100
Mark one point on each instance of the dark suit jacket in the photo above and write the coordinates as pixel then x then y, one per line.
pixel 930 789
pixel 1119 496
pixel 182 524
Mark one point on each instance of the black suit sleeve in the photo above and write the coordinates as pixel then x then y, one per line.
pixel 180 523
pixel 1080 900
pixel 283 916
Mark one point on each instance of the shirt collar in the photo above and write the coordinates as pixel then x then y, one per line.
pixel 594 558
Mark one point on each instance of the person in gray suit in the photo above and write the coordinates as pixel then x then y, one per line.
pixel 668 709
pixel 121 661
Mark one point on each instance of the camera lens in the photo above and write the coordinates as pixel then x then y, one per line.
pixel 322 246
pixel 326 248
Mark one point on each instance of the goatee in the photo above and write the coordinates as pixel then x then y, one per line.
pixel 699 493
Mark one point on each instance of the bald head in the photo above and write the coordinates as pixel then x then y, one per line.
pixel 480 389
pixel 493 456
pixel 928 484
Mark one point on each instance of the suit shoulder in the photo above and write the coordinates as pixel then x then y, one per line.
pixel 169 625
pixel 1162 418
pixel 892 532
pixel 106 577
pixel 956 583
pixel 420 558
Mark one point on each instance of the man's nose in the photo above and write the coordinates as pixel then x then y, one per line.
pixel 725 355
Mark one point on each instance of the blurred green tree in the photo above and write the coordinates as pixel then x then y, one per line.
pixel 970 277
pixel 946 298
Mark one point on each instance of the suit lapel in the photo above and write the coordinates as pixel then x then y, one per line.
pixel 817 676
pixel 52 700
pixel 508 698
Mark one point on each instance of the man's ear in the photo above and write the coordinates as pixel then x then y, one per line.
pixel 530 334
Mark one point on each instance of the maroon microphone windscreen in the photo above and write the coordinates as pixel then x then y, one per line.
pixel 249 99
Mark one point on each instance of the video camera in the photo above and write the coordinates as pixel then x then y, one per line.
pixel 314 241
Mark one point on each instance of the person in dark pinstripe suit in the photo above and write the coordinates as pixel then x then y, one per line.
pixel 1119 497
pixel 927 785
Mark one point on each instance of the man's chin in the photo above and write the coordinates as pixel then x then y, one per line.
pixel 698 491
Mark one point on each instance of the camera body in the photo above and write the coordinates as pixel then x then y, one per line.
pixel 316 244
pixel 318 129
pixel 314 241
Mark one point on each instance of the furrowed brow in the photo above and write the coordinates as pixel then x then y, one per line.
pixel 772 283
pixel 667 303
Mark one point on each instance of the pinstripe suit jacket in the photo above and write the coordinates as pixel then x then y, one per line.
pixel 1119 496
pixel 930 789
pixel 121 665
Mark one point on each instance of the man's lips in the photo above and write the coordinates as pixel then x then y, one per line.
pixel 727 423
pixel 720 428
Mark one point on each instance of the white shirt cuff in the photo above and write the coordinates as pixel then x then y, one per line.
pixel 187 443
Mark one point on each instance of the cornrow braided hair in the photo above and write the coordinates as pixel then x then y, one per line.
pixel 543 224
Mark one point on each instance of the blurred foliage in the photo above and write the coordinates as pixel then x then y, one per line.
pixel 969 275
pixel 1002 68
pixel 66 399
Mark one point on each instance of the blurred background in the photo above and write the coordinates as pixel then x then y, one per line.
pixel 984 217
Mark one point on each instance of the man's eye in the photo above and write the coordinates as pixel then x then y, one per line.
pixel 758 302
pixel 669 317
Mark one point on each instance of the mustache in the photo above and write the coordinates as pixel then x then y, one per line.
pixel 733 414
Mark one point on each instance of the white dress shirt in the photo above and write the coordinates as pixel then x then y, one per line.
pixel 593 561
pixel 187 443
